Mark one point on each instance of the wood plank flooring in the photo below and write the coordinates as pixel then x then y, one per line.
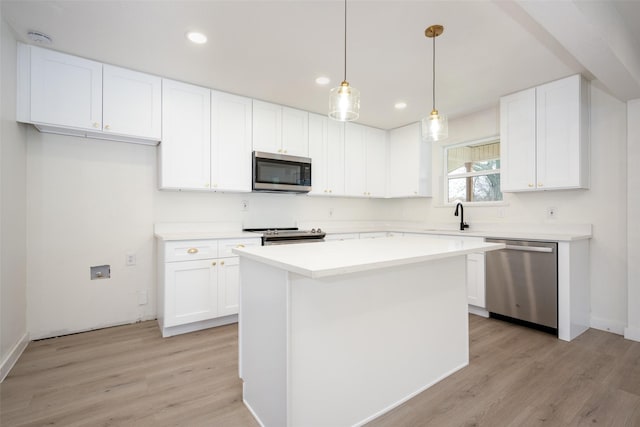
pixel 130 376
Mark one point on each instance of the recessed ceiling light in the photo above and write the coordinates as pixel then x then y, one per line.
pixel 38 37
pixel 197 37
pixel 400 105
pixel 323 80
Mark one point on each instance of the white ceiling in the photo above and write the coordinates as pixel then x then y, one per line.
pixel 273 50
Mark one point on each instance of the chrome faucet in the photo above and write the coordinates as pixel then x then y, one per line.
pixel 463 224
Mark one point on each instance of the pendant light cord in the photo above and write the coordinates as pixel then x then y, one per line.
pixel 434 73
pixel 345 40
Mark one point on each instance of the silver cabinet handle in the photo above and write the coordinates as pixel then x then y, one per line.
pixel 529 248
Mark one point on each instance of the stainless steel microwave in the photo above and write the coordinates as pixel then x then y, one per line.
pixel 281 173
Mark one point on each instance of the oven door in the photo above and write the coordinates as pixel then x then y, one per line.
pixel 282 173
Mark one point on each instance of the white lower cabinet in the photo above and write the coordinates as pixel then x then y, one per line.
pixel 475 280
pixel 198 284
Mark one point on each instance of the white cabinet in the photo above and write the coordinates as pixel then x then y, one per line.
pixel 409 163
pixel 365 161
pixel 278 129
pixel 326 149
pixel 231 126
pixel 544 137
pixel 185 152
pixel 60 93
pixel 475 280
pixel 131 103
pixel 198 284
pixel 58 89
pixel 206 139
pixel 191 292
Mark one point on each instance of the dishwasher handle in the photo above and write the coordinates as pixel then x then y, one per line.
pixel 529 248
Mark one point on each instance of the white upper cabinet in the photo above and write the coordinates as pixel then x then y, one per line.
pixel 59 89
pixel 409 163
pixel 365 161
pixel 231 126
pixel 376 141
pixel 544 137
pixel 355 160
pixel 131 103
pixel 326 149
pixel 61 93
pixel 185 152
pixel 278 129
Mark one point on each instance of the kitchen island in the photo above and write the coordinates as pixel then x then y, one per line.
pixel 337 333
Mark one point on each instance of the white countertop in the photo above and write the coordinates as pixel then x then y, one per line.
pixel 326 259
pixel 203 235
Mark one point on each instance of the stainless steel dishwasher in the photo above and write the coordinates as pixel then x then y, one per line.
pixel 522 283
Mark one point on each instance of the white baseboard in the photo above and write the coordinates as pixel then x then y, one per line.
pixel 12 357
pixel 478 311
pixel 632 334
pixel 608 325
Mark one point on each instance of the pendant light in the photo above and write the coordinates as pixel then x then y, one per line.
pixel 435 126
pixel 344 100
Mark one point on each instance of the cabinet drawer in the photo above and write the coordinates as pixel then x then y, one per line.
pixel 226 246
pixel 187 250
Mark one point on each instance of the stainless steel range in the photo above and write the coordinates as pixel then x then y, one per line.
pixel 289 235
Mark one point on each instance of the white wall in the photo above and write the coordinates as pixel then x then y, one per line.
pixel 633 229
pixel 603 205
pixel 13 303
pixel 92 201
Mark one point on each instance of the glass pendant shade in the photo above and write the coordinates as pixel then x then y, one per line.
pixel 435 127
pixel 344 103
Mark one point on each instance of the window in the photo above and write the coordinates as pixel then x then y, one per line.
pixel 473 172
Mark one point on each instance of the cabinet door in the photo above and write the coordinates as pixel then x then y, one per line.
pixel 518 141
pixel 409 167
pixel 191 291
pixel 295 132
pixel 185 152
pixel 335 158
pixel 230 142
pixel 376 145
pixel 558 134
pixel 65 90
pixel 355 160
pixel 131 103
pixel 318 153
pixel 267 127
pixel 228 286
pixel 475 280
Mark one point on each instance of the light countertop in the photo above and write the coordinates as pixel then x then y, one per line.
pixel 326 259
pixel 205 235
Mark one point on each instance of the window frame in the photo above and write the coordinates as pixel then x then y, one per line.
pixel 445 174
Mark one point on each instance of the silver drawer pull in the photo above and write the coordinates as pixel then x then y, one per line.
pixel 529 248
pixel 192 250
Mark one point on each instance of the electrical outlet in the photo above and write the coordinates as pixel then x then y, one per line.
pixel 552 212
pixel 500 212
pixel 142 298
pixel 330 212
pixel 244 206
pixel 131 259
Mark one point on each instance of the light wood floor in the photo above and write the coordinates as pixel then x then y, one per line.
pixel 130 376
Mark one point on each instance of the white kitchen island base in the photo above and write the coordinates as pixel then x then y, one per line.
pixel 342 350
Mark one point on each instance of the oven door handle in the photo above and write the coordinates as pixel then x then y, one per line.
pixel 529 248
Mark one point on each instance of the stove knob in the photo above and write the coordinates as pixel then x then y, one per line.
pixel 313 231
pixel 275 231
pixel 319 230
